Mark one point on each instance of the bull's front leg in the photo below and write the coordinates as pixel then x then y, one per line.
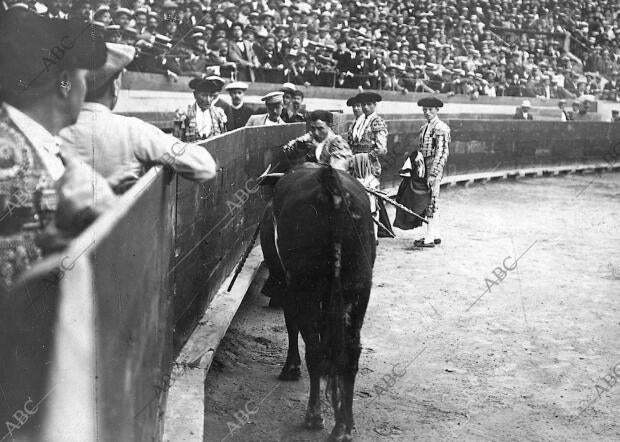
pixel 292 367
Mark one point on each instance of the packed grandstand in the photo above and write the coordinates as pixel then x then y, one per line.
pixel 546 48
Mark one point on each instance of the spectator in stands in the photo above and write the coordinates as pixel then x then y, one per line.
pixel 615 116
pixel 455 37
pixel 523 112
pixel 210 120
pixel 239 112
pixel 118 147
pixel 274 104
pixel 299 73
pixel 46 198
pixel 268 56
pixel 241 52
pixel 122 17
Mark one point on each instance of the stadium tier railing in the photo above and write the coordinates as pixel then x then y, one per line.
pixel 89 335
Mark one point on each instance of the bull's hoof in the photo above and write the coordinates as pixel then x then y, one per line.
pixel 292 373
pixel 340 433
pixel 314 422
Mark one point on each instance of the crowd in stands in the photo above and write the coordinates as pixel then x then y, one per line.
pixel 476 47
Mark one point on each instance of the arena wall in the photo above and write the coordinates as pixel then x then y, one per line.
pixel 155 98
pixel 96 352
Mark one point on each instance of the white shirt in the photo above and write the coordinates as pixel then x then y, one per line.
pixel 46 144
pixel 269 122
pixel 114 144
pixel 357 126
pixel 204 122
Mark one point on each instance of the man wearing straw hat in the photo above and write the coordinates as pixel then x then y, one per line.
pixel 120 147
pixel 238 113
pixel 275 104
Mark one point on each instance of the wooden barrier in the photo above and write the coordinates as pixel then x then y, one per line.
pixel 93 348
pixel 216 220
pixel 496 145
pixel 88 333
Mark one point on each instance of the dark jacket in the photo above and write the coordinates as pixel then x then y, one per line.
pixel 238 117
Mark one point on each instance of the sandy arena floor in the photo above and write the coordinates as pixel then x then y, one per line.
pixel 518 362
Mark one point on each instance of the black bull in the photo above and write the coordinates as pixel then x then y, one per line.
pixel 320 248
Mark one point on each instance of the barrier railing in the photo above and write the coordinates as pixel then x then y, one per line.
pixel 87 337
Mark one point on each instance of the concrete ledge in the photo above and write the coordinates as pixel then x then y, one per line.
pixel 471 178
pixel 184 416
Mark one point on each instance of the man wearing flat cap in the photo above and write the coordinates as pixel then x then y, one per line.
pixel 209 120
pixel 46 198
pixel 121 148
pixel 274 103
pixel 433 147
pixel 321 145
pixel 239 113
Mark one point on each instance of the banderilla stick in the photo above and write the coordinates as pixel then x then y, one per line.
pixel 394 203
pixel 249 248
pixel 377 222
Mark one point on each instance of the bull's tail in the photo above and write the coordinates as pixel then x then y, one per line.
pixel 333 313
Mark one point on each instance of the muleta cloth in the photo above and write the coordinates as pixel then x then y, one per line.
pixel 368 97
pixel 430 102
pixel 236 85
pixel 413 193
pixel 119 56
pixel 210 84
pixel 38 42
pixel 273 98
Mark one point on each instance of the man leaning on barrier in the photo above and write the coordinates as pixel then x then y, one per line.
pixel 321 145
pixel 120 148
pixel 46 198
pixel 274 103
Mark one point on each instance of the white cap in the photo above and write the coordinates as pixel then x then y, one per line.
pixel 236 85
pixel 273 98
pixel 526 103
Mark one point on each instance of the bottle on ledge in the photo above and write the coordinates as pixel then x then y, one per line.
pixel 177 124
pixel 191 132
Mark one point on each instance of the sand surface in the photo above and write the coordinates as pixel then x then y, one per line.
pixel 448 356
